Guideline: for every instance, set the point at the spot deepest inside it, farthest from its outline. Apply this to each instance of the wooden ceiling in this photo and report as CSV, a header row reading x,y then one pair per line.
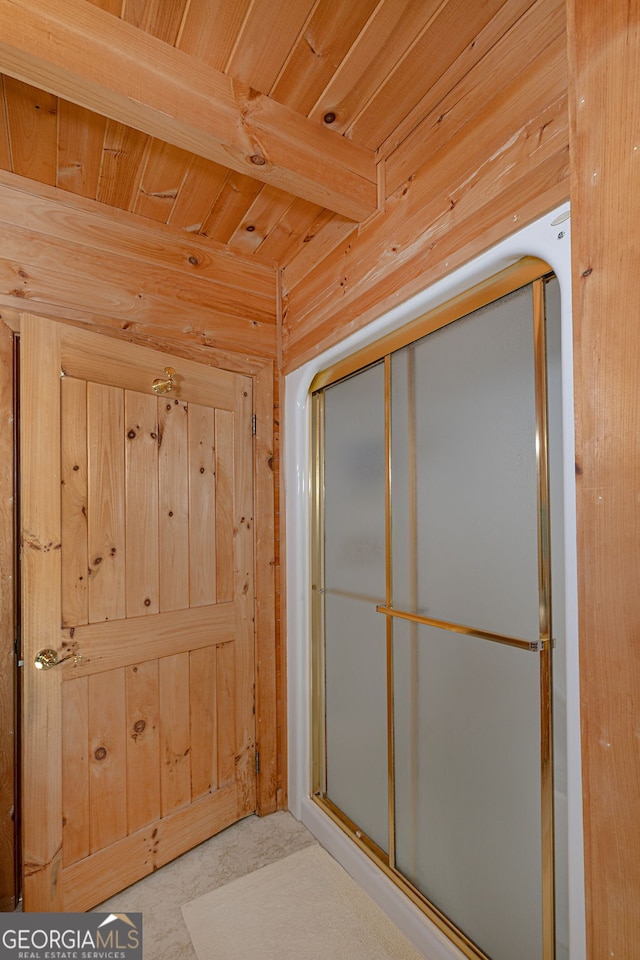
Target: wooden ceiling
x,y
273,127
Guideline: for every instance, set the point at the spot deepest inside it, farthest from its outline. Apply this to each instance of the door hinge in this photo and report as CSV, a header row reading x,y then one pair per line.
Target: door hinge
x,y
257,761
253,425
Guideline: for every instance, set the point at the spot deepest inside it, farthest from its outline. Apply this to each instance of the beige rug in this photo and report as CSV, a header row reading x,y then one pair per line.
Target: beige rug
x,y
304,907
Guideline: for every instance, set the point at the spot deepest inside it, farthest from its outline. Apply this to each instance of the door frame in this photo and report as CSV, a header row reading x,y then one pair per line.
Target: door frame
x,y
269,669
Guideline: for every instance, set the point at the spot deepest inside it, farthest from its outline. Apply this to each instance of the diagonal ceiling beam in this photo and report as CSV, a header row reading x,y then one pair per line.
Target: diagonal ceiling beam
x,y
77,51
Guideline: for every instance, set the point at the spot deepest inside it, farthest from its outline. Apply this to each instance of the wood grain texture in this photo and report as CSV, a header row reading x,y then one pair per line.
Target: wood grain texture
x,y
203,721
225,714
201,185
76,814
139,854
129,367
122,154
225,458
267,637
5,147
106,502
437,47
74,500
135,711
107,759
510,165
104,64
393,28
244,593
231,205
279,602
80,141
210,29
327,36
202,505
261,218
508,14
69,276
175,762
173,509
495,66
161,181
141,504
268,33
7,629
62,217
604,43
162,20
128,643
294,228
32,126
40,534
143,744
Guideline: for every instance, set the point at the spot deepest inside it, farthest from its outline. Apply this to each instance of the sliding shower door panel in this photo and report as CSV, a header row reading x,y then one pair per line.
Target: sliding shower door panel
x,y
465,523
467,784
355,686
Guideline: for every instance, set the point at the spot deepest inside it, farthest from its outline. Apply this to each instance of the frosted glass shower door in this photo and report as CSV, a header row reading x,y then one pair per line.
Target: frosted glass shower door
x,y
438,502
354,572
467,687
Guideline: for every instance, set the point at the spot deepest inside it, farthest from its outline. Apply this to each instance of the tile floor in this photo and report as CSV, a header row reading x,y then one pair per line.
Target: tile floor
x,y
238,850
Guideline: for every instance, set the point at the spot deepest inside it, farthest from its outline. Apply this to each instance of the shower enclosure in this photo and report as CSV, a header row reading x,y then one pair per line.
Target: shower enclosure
x,y
438,698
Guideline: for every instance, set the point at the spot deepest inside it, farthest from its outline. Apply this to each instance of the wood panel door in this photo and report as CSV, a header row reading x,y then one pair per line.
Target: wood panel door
x,y
137,569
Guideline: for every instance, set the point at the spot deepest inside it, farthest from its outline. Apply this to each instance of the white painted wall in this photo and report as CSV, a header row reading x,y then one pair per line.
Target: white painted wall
x,y
551,243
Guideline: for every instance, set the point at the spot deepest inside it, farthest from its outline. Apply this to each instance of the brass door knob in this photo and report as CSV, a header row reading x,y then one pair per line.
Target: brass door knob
x,y
48,658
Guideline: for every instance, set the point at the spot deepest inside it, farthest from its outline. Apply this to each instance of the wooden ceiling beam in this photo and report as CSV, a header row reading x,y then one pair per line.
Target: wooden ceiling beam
x,y
80,53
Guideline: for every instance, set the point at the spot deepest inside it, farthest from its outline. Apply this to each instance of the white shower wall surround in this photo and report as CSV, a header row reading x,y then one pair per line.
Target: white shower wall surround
x,y
550,243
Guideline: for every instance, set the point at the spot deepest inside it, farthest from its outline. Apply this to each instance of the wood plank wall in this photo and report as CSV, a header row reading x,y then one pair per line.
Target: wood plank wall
x,y
497,157
7,634
604,44
67,257
63,257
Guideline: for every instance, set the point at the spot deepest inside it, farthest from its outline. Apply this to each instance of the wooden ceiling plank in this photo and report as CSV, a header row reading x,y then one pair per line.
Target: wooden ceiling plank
x,y
510,13
454,28
527,39
332,29
261,217
449,242
157,17
390,32
327,237
210,29
201,186
64,217
113,7
294,228
80,140
5,144
32,117
523,123
104,64
231,205
161,181
122,155
267,36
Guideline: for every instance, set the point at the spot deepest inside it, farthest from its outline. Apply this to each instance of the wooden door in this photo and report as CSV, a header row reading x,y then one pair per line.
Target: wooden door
x,y
137,569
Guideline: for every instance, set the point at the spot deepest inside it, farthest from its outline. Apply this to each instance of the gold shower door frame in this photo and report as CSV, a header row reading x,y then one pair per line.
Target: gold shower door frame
x,y
527,271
